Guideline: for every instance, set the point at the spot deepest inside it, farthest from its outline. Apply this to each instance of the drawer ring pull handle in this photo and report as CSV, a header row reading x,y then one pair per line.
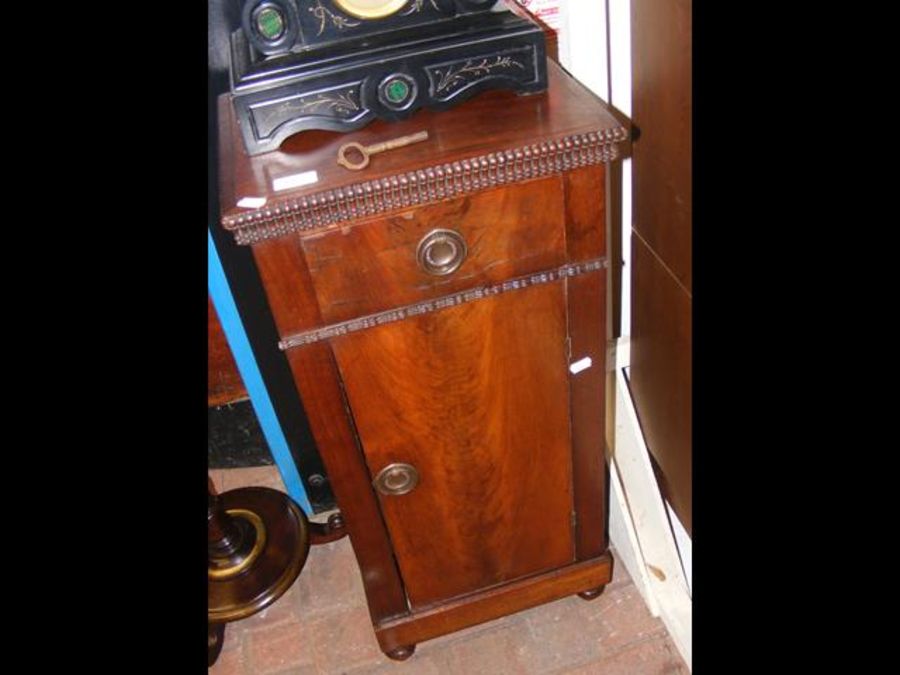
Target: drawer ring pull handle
x,y
396,479
441,252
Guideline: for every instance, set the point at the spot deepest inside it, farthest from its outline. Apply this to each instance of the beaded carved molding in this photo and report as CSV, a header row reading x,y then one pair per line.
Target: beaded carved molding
x,y
433,184
427,306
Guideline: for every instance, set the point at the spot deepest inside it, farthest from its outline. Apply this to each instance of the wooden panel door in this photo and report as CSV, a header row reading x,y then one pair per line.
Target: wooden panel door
x,y
475,397
661,279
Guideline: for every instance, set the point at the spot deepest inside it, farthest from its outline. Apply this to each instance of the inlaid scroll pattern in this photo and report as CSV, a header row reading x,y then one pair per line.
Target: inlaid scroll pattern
x,y
324,15
416,6
427,306
436,183
458,75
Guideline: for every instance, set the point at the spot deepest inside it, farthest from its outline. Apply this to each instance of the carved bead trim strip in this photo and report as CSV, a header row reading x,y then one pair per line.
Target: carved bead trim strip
x,y
427,306
425,186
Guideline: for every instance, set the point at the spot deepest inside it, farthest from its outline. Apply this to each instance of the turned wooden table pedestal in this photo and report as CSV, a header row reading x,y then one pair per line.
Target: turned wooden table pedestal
x,y
443,312
258,541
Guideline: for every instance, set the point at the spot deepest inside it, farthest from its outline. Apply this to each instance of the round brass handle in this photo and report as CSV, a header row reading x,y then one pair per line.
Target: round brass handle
x,y
441,252
396,479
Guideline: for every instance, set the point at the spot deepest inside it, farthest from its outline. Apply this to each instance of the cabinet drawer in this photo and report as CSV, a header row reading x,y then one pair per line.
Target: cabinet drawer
x,y
380,264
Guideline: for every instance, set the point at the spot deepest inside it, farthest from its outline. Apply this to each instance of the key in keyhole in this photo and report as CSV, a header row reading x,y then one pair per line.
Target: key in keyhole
x,y
366,150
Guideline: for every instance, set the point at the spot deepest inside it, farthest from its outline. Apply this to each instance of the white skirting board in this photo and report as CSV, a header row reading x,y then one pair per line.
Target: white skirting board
x,y
683,542
639,526
624,540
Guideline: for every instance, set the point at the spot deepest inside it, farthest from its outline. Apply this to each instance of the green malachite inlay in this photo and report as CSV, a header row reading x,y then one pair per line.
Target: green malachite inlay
x,y
270,23
396,91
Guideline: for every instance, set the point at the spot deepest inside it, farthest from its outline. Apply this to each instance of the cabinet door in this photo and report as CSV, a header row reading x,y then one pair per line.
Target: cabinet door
x,y
475,397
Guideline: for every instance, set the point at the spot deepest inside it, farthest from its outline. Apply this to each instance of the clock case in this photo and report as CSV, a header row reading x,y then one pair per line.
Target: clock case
x,y
341,72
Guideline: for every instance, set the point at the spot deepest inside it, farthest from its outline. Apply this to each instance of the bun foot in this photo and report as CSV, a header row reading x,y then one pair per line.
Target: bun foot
x,y
592,593
401,653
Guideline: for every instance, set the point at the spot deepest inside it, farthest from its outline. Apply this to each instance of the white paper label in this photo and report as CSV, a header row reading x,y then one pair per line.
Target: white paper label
x,y
580,364
252,202
295,180
545,10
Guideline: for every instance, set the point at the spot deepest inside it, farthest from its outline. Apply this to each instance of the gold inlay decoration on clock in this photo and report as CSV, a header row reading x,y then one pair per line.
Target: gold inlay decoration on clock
x,y
370,9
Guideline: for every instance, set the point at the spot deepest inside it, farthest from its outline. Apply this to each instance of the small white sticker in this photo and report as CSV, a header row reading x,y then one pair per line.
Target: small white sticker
x,y
295,180
580,364
252,202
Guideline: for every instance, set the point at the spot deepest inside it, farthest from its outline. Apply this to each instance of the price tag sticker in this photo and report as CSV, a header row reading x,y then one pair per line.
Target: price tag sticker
x,y
580,364
295,180
252,202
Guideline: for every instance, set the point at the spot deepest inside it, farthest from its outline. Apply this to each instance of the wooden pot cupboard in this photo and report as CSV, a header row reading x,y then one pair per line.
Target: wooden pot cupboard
x,y
444,315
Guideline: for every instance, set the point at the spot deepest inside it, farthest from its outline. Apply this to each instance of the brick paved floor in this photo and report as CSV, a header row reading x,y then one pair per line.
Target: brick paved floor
x,y
321,626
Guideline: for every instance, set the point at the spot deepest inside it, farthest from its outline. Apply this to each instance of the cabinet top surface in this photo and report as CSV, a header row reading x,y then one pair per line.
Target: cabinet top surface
x,y
493,138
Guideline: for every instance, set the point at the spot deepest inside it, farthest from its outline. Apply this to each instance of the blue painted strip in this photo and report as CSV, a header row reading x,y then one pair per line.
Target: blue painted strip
x,y
220,292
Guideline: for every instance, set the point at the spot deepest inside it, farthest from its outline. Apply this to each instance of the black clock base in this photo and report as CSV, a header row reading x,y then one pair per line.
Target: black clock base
x,y
342,87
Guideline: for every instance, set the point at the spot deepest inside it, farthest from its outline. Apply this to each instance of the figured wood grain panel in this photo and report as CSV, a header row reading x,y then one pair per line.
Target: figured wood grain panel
x,y
661,106
475,397
315,374
289,288
372,266
585,191
660,373
223,381
292,300
587,331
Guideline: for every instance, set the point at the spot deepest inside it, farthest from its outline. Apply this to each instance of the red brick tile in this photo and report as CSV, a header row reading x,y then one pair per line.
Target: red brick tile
x,y
330,581
559,635
346,640
470,632
420,663
488,653
572,631
619,617
274,647
656,656
230,661
284,608
233,638
308,669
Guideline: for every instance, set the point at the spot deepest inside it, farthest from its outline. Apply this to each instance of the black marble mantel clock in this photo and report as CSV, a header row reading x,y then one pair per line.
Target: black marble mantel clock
x,y
339,64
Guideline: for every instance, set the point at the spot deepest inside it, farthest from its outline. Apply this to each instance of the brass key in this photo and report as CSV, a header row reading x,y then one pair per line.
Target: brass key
x,y
367,150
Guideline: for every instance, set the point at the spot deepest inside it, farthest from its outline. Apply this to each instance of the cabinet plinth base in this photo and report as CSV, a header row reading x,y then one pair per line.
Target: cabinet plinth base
x,y
397,634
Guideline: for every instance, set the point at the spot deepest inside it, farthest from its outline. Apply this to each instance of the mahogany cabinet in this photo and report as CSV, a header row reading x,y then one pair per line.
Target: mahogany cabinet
x,y
443,312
